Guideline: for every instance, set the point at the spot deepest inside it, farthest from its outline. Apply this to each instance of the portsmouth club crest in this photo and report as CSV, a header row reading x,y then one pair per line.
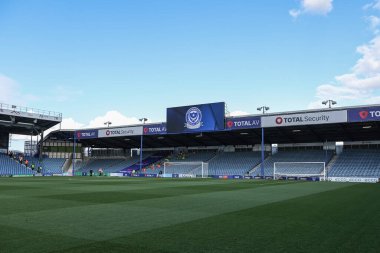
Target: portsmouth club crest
x,y
193,118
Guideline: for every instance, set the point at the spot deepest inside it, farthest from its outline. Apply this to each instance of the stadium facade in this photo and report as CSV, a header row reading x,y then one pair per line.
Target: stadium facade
x,y
300,144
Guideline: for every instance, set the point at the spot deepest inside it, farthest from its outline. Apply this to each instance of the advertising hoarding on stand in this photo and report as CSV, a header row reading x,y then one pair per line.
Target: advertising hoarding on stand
x,y
121,131
243,122
364,114
299,119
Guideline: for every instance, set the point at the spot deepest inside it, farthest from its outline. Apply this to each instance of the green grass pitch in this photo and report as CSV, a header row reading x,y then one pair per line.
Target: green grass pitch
x,y
88,214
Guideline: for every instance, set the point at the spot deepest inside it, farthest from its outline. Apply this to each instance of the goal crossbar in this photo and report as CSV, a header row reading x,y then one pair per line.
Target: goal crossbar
x,y
196,168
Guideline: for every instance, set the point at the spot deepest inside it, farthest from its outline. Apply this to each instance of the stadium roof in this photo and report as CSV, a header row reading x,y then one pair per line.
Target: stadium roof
x,y
299,134
343,127
26,121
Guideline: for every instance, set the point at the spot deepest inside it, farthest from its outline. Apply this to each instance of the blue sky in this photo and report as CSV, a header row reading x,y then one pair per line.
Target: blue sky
x,y
104,60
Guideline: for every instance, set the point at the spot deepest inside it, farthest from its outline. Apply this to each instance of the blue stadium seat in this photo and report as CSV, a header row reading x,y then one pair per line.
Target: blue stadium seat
x,y
357,163
234,163
10,166
296,156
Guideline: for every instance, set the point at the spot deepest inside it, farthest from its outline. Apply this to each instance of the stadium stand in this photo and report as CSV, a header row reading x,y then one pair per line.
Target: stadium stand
x,y
95,164
149,159
351,163
122,165
357,163
49,165
234,163
109,165
192,156
10,166
53,165
296,156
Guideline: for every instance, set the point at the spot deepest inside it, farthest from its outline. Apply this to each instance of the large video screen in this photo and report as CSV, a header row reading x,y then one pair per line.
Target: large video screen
x,y
195,118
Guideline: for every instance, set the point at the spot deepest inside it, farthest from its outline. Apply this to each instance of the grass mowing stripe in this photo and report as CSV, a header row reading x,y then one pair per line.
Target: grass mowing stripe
x,y
143,215
148,193
14,240
186,215
342,220
27,205
21,201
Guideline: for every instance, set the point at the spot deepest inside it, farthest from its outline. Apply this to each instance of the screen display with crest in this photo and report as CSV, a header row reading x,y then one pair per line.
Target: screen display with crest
x,y
196,118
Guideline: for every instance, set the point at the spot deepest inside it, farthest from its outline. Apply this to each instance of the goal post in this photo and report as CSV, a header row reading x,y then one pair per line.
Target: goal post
x,y
187,169
299,169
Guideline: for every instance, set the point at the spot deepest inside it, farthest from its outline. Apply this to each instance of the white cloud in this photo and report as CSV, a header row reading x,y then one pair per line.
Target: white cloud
x,y
18,137
373,20
238,113
294,13
361,83
8,87
369,63
67,124
316,7
372,100
11,92
338,92
374,5
374,23
117,119
70,123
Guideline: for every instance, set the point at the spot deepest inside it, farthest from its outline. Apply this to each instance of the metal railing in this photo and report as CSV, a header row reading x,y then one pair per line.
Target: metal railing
x,y
17,108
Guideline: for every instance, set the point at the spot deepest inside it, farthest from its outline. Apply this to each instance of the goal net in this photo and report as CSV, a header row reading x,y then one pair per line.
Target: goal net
x,y
299,169
187,169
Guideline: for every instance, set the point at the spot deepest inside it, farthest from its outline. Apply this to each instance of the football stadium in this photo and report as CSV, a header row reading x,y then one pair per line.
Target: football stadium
x,y
169,126
203,181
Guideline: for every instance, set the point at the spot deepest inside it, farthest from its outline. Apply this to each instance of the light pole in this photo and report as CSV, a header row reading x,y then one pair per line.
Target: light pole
x,y
143,120
330,102
108,123
263,109
74,151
